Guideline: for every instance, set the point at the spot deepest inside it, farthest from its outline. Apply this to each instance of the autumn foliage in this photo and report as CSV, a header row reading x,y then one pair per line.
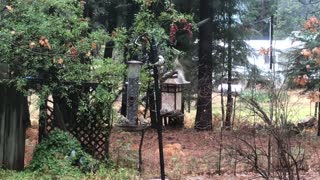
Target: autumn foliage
x,y
312,24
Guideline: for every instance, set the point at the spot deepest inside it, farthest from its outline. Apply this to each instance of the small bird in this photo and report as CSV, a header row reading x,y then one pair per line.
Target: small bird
x,y
160,62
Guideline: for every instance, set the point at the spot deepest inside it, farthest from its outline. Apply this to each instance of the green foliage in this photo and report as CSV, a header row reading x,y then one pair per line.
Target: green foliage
x,y
255,15
236,34
60,156
154,19
31,21
304,60
258,96
289,17
124,155
50,40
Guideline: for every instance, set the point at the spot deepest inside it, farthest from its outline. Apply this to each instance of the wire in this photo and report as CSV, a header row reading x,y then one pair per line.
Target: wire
x,y
265,20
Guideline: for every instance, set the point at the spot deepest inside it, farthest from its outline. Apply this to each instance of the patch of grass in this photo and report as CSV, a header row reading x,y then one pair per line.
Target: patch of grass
x,y
258,96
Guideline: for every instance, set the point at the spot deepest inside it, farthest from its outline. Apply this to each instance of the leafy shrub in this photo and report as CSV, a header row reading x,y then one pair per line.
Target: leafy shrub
x,y
61,154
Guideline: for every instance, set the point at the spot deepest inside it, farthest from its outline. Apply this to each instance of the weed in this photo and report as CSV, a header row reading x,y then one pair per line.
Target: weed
x,y
124,155
177,171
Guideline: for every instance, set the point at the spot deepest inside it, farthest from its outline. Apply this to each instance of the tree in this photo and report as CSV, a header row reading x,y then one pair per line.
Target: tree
x,y
204,106
229,46
56,48
227,123
110,14
257,12
304,66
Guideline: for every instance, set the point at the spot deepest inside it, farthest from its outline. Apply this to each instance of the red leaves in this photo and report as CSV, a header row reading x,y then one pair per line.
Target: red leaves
x,y
182,25
188,28
173,32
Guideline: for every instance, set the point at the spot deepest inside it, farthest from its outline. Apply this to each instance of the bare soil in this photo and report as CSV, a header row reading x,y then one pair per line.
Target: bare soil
x,y
199,154
191,154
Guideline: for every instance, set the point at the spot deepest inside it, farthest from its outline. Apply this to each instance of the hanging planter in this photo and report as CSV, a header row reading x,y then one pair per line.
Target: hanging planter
x,y
181,35
183,41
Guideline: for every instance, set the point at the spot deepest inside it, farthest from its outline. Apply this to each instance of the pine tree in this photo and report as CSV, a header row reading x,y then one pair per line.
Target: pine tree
x,y
204,105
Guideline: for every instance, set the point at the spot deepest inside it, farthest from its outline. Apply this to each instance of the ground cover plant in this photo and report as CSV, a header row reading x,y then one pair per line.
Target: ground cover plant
x,y
60,156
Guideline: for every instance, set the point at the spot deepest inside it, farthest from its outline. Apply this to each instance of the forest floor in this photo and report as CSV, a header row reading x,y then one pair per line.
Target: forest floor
x,y
194,155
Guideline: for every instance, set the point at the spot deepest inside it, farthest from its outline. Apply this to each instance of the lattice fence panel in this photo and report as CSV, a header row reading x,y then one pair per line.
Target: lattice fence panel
x,y
92,134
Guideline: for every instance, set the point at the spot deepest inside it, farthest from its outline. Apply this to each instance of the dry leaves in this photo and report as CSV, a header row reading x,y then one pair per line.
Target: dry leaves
x,y
9,8
301,80
44,42
314,96
312,24
263,51
306,53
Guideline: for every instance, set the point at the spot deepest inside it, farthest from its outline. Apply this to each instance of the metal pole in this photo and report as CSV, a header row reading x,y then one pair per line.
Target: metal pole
x,y
154,57
271,39
272,69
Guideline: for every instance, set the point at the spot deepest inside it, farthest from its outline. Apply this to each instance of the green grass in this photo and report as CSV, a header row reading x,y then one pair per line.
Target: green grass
x,y
297,109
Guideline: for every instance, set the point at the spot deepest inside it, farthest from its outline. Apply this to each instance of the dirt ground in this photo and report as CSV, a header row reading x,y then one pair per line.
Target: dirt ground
x,y
190,154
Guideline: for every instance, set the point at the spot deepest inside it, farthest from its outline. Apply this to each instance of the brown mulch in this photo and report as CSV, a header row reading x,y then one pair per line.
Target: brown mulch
x,y
189,154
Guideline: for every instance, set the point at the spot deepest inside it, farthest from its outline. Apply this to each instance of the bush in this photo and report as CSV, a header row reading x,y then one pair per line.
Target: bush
x,y
60,156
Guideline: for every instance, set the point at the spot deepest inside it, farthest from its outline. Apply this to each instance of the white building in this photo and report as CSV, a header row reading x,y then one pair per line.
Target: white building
x,y
262,61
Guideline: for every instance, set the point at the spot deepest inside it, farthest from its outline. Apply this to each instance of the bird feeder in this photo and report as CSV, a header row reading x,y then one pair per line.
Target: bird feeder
x,y
172,106
134,68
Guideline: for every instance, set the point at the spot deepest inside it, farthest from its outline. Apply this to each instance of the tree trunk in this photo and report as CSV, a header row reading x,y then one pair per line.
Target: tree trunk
x,y
204,105
229,69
